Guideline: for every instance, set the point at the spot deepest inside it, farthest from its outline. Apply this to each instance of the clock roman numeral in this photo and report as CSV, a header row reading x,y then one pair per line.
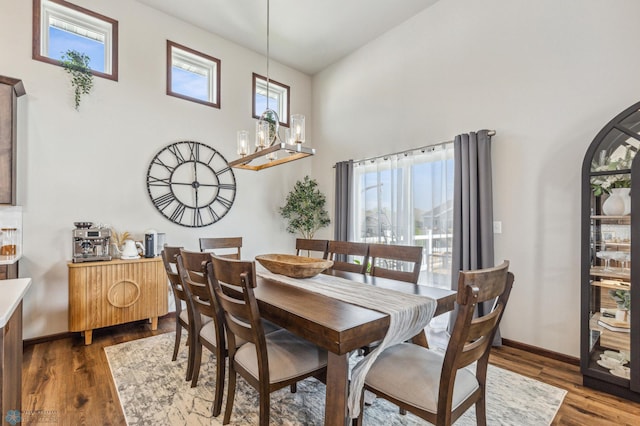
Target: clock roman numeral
x,y
195,151
197,217
159,162
213,214
229,186
224,202
212,157
154,181
175,150
164,200
221,171
178,213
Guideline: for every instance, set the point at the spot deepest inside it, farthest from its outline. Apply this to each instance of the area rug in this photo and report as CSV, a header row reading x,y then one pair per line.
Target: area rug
x,y
152,391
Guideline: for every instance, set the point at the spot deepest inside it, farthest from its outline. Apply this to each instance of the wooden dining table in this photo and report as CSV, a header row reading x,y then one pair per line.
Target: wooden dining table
x,y
337,326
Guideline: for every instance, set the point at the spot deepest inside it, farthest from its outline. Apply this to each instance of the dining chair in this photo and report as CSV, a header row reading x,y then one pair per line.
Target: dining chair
x,y
210,334
305,245
435,386
339,252
268,362
180,294
222,246
397,262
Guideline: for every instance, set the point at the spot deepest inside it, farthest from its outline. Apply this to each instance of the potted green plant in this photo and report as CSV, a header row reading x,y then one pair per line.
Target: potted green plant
x,y
623,300
77,65
305,208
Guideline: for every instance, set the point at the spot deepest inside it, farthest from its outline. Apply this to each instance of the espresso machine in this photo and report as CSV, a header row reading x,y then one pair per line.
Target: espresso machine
x,y
90,243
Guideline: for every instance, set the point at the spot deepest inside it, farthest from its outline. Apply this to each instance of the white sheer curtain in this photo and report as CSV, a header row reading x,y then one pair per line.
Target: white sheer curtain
x,y
407,199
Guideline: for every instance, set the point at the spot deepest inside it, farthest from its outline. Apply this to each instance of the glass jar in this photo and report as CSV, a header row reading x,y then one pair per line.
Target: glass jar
x,y
8,245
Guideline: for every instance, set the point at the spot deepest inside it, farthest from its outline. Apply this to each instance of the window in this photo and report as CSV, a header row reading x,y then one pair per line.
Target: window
x,y
407,199
278,98
59,26
192,75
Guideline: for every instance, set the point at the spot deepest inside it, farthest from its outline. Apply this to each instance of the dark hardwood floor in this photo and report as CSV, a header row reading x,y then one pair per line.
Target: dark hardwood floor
x,y
68,383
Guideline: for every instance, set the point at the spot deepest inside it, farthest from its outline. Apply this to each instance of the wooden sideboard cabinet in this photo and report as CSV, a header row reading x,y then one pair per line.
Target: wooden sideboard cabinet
x,y
114,292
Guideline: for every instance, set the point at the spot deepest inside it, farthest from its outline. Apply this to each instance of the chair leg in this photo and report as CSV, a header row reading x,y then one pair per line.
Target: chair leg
x,y
231,394
220,367
191,355
481,412
176,345
197,357
293,387
265,406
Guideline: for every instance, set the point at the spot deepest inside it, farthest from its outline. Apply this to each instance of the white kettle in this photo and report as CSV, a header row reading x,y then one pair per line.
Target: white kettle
x,y
130,249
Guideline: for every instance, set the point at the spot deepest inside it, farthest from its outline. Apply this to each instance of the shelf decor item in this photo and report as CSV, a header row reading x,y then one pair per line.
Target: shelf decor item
x,y
618,203
610,234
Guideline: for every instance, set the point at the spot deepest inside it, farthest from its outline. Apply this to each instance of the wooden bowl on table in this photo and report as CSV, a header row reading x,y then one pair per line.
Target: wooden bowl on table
x,y
293,266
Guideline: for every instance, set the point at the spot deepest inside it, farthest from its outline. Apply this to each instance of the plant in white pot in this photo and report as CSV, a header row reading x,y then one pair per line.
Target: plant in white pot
x,y
305,208
618,203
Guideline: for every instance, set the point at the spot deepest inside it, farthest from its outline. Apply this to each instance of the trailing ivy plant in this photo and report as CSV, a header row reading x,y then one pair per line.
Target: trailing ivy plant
x,y
304,208
77,65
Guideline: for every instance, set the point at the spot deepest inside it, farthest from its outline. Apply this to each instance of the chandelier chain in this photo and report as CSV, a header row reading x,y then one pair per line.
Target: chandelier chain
x,y
268,82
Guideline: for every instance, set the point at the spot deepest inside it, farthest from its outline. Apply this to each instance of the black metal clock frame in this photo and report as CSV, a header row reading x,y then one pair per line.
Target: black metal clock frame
x,y
191,184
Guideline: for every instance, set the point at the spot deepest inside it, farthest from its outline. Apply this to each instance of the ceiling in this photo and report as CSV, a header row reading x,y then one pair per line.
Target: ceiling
x,y
307,35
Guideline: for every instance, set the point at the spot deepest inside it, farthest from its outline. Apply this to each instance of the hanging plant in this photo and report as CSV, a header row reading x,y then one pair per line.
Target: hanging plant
x,y
77,65
305,208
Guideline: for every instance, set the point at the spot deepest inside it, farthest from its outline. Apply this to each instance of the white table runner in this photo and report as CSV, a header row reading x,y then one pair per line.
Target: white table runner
x,y
409,314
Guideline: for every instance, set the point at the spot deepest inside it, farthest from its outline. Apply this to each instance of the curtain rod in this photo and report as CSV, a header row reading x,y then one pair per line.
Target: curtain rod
x,y
490,133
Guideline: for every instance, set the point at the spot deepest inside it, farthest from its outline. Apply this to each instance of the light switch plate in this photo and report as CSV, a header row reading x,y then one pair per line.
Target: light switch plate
x,y
497,227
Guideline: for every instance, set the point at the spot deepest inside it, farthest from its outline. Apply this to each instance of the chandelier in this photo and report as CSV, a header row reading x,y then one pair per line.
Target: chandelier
x,y
270,150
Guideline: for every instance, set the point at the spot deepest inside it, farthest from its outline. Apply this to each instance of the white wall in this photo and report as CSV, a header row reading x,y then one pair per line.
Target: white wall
x,y
91,165
547,75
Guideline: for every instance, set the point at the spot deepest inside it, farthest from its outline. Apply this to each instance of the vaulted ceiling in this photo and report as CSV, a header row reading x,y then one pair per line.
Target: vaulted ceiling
x,y
307,35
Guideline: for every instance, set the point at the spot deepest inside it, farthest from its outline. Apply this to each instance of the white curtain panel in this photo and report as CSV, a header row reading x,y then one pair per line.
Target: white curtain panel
x,y
407,199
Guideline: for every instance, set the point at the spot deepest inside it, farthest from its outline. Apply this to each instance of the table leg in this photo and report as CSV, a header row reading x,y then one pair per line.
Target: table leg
x,y
154,323
88,334
420,339
335,410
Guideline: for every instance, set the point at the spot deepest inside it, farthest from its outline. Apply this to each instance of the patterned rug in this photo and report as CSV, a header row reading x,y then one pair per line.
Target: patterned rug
x,y
153,391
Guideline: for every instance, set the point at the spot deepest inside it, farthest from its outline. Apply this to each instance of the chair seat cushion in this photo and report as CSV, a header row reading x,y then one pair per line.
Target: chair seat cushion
x,y
289,356
411,373
184,316
208,333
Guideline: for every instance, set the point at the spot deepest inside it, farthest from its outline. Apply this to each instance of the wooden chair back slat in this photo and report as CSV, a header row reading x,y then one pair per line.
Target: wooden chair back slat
x,y
169,258
484,325
380,253
348,248
192,265
237,301
305,246
212,244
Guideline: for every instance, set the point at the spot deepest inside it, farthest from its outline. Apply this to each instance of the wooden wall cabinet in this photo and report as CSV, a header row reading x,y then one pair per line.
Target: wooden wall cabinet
x,y
10,90
610,303
102,294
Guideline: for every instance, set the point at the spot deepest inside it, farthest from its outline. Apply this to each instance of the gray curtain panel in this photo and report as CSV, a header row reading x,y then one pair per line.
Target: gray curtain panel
x,y
343,202
473,209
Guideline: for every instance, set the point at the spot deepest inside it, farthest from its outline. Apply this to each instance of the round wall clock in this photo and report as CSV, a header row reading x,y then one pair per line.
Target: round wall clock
x,y
191,184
